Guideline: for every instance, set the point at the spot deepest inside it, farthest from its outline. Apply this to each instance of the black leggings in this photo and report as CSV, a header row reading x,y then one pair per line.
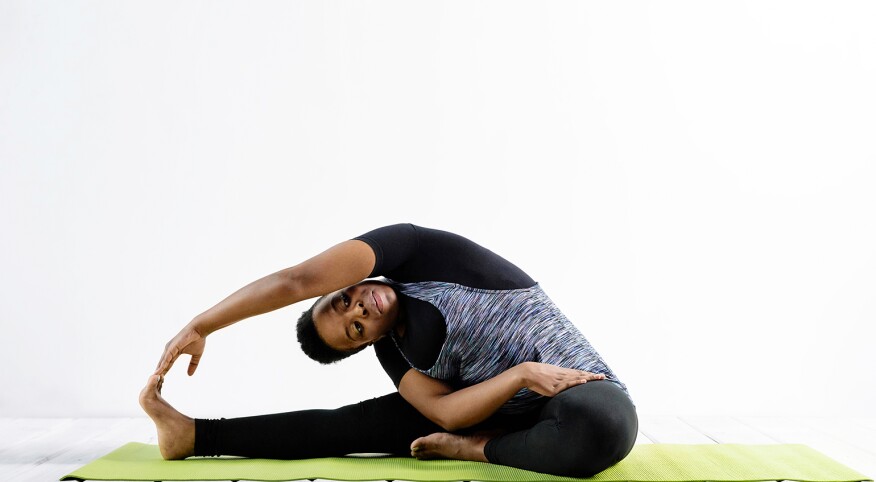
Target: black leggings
x,y
580,432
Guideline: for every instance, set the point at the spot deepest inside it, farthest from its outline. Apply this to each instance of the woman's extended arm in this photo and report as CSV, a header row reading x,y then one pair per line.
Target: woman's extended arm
x,y
454,410
340,266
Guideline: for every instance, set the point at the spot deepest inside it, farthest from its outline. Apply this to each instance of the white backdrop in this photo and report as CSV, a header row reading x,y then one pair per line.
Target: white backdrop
x,y
691,182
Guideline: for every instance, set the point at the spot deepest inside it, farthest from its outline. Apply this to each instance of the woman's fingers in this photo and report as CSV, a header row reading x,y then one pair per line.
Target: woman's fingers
x,y
564,385
549,380
575,377
591,375
187,341
162,367
167,360
161,362
193,364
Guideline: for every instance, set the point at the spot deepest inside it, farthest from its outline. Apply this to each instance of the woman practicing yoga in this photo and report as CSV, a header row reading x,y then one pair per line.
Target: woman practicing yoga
x,y
487,367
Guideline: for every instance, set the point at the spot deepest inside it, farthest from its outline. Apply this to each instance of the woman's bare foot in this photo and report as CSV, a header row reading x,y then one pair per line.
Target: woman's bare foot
x,y
176,432
450,446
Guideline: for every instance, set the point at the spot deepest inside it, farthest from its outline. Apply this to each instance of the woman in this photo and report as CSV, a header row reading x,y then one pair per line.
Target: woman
x,y
487,367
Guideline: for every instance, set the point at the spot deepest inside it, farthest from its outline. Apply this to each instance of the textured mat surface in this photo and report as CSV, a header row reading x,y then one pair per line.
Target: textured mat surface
x,y
646,463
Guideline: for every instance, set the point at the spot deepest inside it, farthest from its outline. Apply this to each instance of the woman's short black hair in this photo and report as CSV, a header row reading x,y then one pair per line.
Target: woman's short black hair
x,y
313,345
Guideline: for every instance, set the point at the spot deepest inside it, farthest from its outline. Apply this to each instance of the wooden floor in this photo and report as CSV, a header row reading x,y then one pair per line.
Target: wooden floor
x,y
46,449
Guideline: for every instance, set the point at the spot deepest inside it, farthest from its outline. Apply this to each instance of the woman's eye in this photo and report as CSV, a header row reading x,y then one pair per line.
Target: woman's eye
x,y
345,299
358,327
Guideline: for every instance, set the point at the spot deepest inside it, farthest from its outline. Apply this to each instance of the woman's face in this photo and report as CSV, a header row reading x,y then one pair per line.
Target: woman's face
x,y
356,315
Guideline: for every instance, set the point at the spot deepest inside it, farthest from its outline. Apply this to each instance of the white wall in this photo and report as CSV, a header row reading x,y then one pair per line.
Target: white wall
x,y
691,182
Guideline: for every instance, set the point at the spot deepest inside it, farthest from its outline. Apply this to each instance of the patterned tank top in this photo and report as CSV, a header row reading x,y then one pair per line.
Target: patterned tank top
x,y
490,331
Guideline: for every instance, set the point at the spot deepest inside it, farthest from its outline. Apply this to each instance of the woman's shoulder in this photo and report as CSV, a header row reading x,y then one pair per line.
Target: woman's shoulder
x,y
407,252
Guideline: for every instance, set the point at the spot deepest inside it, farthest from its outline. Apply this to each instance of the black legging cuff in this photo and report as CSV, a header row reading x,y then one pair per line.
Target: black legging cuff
x,y
206,436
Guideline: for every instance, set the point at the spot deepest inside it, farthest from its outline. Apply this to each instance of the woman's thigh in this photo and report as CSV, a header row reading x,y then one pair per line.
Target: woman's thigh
x,y
386,424
580,432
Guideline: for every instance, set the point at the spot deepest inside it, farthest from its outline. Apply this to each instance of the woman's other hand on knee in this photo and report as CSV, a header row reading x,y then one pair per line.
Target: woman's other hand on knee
x,y
549,380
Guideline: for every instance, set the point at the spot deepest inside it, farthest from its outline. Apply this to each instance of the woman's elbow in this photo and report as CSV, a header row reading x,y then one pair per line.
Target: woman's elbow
x,y
451,417
450,423
445,421
450,426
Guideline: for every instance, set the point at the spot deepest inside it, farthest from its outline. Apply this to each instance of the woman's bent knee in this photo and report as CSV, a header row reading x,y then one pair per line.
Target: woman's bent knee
x,y
580,432
592,458
585,461
598,426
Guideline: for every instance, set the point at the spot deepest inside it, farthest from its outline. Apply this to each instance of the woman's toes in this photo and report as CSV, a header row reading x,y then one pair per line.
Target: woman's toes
x,y
427,447
149,393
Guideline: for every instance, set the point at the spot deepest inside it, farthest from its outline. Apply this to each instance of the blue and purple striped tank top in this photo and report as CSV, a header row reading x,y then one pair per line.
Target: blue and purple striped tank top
x,y
490,331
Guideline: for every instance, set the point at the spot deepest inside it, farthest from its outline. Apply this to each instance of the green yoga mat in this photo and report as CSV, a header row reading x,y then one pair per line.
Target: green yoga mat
x,y
646,463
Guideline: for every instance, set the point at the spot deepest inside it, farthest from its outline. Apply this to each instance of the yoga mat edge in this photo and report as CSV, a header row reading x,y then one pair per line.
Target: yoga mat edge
x,y
136,461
